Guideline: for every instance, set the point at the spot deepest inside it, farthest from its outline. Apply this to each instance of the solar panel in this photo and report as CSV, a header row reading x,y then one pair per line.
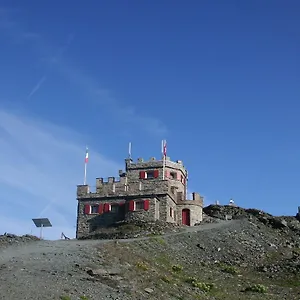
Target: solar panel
x,y
42,222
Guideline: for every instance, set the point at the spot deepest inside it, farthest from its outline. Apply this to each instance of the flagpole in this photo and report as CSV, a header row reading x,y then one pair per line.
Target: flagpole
x,y
84,181
85,164
129,150
164,156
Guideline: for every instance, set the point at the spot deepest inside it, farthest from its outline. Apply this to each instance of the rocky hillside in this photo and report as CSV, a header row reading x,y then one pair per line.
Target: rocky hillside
x,y
8,239
251,256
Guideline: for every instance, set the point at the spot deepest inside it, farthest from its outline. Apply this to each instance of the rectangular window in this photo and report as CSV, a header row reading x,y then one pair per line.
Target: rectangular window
x,y
173,189
115,208
171,212
94,209
139,205
150,174
173,175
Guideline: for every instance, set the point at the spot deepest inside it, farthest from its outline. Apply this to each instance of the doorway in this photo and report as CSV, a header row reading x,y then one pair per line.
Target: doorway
x,y
186,218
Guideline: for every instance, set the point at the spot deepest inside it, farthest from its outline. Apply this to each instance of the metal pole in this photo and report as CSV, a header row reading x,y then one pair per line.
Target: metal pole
x,y
129,150
85,164
84,180
164,157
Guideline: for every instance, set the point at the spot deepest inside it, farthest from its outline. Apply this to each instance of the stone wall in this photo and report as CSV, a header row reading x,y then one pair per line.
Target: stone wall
x,y
82,190
141,214
196,212
163,206
195,207
89,222
133,168
163,210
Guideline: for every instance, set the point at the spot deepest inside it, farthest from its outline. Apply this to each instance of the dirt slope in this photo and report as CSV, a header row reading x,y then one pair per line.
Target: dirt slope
x,y
211,261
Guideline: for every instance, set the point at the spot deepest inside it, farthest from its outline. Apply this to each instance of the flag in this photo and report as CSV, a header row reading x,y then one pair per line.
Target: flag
x,y
165,148
87,155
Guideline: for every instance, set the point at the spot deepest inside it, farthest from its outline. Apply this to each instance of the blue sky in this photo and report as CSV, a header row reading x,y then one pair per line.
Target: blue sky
x,y
218,79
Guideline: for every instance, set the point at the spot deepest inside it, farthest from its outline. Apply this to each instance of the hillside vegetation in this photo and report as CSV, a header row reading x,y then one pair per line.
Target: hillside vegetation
x,y
252,256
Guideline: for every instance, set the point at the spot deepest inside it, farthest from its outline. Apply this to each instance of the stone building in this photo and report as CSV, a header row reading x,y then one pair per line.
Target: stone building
x,y
141,192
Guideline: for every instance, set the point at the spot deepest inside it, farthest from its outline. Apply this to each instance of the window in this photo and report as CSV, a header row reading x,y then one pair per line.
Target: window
x,y
115,208
139,205
94,209
173,189
171,212
150,174
173,175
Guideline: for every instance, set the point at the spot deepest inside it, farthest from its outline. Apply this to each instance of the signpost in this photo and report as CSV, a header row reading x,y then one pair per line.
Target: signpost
x,y
41,223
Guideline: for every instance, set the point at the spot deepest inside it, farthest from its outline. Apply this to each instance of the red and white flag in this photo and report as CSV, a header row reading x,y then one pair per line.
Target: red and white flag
x,y
164,148
86,155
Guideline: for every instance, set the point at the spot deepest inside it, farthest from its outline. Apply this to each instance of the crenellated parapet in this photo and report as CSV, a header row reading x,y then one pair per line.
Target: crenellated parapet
x,y
116,189
197,199
154,163
82,190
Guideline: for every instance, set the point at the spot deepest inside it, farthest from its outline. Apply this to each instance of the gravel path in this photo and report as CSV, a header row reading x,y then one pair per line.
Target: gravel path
x,y
51,269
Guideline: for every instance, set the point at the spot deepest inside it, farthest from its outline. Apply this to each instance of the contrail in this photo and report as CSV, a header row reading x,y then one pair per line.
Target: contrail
x,y
36,87
45,209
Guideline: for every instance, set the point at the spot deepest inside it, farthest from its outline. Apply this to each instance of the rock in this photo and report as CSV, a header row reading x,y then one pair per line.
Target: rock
x,y
149,290
200,246
103,272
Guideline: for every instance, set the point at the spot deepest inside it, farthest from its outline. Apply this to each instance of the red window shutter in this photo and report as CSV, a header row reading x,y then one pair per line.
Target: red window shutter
x,y
87,209
106,207
178,176
182,179
100,208
131,205
146,204
156,173
142,174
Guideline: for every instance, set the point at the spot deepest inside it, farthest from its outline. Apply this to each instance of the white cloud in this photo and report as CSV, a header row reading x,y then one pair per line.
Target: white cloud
x,y
41,164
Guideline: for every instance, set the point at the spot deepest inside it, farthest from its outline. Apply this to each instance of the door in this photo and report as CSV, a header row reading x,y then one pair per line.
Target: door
x,y
186,217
